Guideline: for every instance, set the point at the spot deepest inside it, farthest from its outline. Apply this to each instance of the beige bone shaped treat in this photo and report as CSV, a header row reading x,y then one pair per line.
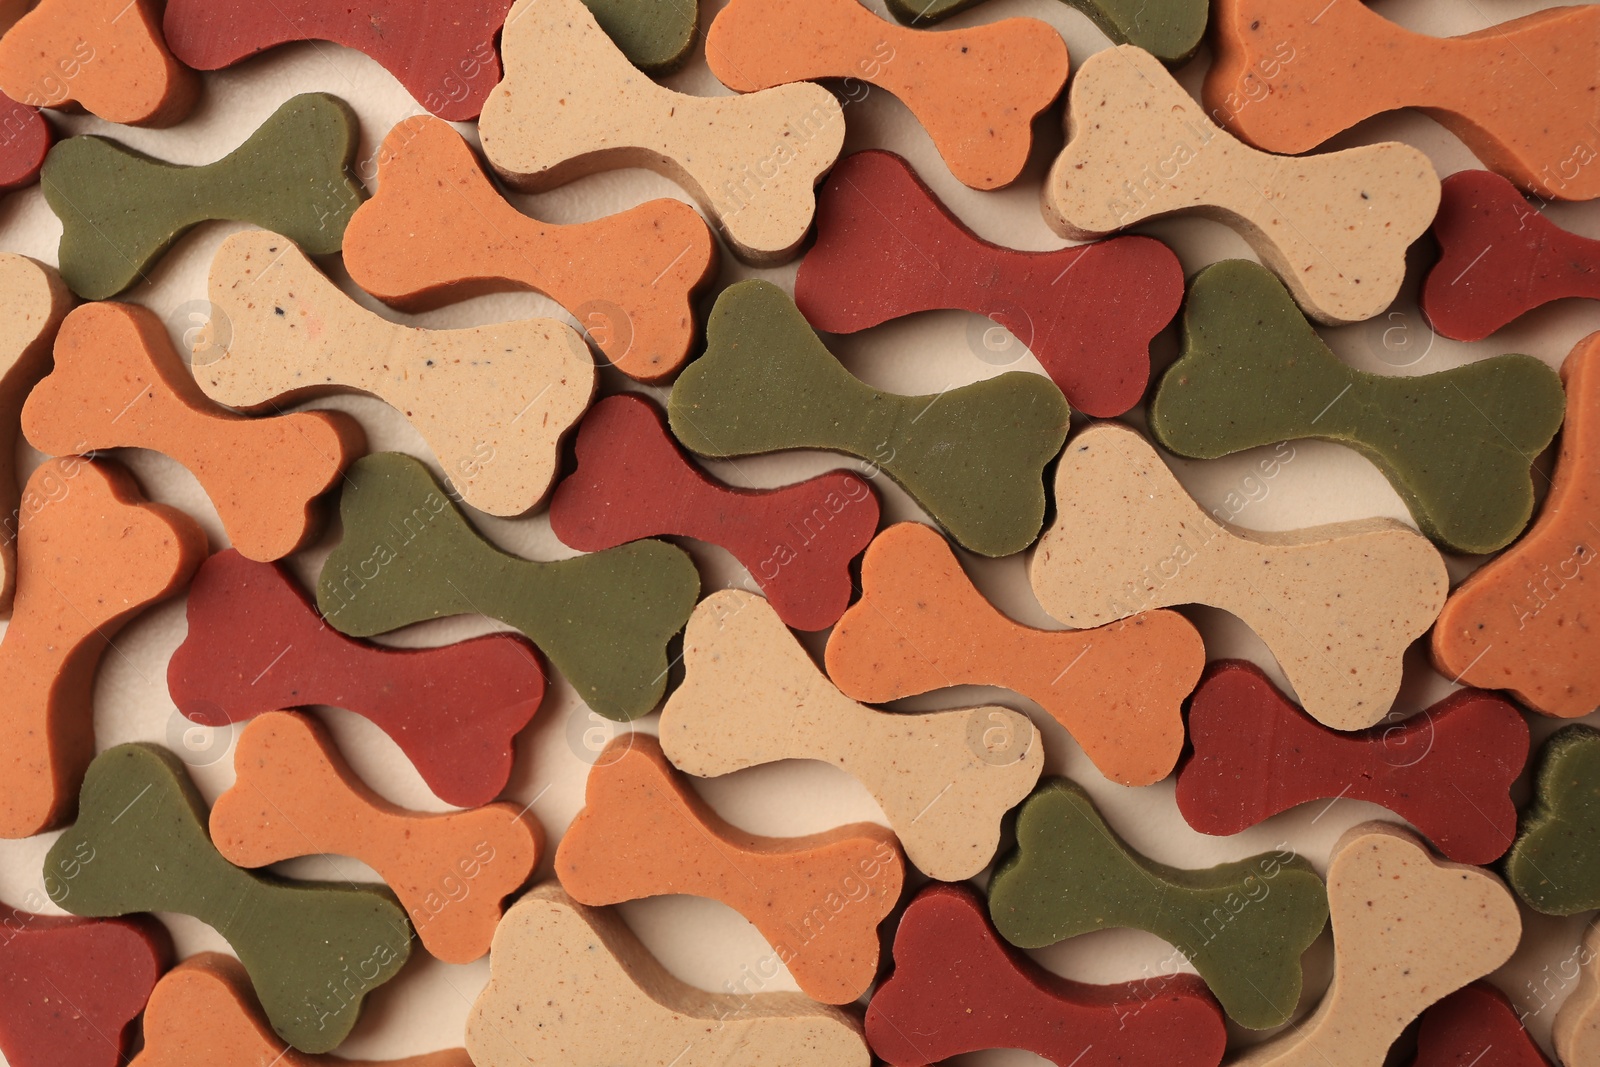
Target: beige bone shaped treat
x,y
491,401
1408,930
1336,604
571,104
571,985
1334,227
751,695
1577,1028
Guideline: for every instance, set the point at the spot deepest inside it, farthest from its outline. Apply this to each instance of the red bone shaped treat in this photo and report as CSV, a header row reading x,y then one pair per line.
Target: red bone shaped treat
x,y
1500,258
1476,1026
1448,770
442,52
957,987
70,988
887,247
117,383
633,481
257,644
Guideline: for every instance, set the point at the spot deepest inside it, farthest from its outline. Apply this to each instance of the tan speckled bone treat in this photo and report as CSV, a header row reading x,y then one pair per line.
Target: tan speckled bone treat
x,y
1336,604
33,300
491,401
1577,1027
571,104
1334,227
571,985
294,795
1408,930
751,695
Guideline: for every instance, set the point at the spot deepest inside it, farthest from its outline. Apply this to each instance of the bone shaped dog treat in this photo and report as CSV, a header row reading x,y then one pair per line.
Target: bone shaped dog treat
x,y
491,401
656,35
817,899
106,55
93,554
887,247
256,644
1499,257
571,105
1171,30
70,988
1243,925
976,91
1555,864
120,210
957,987
1408,930
632,481
1447,770
921,625
25,138
295,796
313,950
973,456
204,1011
1476,1022
1576,1032
407,555
1334,227
1519,621
118,383
751,695
1519,94
437,228
1456,445
572,985
1336,604
33,301
443,53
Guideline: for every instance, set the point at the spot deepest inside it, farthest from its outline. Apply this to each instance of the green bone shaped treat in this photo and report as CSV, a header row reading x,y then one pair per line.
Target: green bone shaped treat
x,y
1170,30
655,35
1554,865
313,950
1456,445
1243,925
408,554
973,457
120,210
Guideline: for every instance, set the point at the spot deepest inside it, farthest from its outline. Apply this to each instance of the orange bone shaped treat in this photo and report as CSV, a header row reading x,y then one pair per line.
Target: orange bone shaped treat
x,y
921,625
204,1012
106,55
438,230
1522,95
1524,621
295,796
976,91
92,553
118,383
818,899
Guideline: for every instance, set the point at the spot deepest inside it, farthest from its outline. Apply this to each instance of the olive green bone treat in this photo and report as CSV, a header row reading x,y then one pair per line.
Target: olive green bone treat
x,y
1554,865
655,35
1455,445
973,457
408,555
1243,925
1170,30
120,210
313,950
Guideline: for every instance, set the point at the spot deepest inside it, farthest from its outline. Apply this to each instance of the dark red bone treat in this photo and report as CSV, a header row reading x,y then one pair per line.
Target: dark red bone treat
x,y
25,138
256,644
887,247
1500,258
957,987
633,481
70,988
1475,1027
1447,770
442,51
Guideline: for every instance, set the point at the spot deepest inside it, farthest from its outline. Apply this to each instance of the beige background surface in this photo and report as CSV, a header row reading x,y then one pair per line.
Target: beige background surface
x,y
701,941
